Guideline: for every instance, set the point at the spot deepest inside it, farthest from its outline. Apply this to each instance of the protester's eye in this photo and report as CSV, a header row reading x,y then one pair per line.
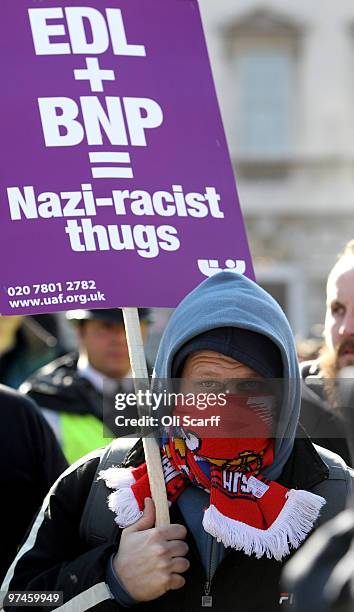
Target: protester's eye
x,y
214,386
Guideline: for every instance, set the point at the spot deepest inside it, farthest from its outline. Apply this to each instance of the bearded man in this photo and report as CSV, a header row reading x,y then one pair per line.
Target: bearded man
x,y
328,389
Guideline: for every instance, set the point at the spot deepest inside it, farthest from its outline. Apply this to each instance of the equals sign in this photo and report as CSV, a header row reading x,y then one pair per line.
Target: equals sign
x,y
114,171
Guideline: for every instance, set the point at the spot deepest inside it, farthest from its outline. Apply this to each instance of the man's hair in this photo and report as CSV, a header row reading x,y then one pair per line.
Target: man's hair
x,y
347,251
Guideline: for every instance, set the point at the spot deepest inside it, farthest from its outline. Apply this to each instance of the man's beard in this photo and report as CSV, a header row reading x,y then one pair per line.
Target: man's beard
x,y
329,362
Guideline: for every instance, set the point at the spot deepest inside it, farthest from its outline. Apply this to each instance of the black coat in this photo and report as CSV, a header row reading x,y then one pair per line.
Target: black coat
x,y
31,461
321,576
324,424
58,558
59,387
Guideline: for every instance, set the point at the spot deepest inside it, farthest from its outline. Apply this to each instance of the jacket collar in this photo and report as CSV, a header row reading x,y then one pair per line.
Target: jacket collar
x,y
304,468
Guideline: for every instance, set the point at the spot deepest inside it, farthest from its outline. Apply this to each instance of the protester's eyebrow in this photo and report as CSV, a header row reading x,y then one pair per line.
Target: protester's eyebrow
x,y
206,373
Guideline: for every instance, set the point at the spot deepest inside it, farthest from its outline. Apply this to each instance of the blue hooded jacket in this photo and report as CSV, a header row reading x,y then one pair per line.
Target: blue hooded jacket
x,y
229,299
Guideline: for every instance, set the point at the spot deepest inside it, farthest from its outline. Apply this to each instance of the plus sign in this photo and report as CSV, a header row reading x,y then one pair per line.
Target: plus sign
x,y
94,74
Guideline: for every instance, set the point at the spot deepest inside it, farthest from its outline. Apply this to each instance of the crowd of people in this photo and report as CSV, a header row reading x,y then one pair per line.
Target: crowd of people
x,y
241,502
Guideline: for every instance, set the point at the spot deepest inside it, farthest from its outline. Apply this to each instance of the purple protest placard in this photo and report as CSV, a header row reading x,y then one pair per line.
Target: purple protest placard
x,y
116,183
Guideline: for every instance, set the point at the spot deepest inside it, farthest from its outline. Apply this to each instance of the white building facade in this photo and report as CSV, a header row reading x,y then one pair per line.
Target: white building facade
x,y
284,73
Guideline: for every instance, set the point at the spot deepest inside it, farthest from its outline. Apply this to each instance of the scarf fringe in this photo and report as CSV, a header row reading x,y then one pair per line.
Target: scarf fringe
x,y
125,507
292,525
122,501
116,477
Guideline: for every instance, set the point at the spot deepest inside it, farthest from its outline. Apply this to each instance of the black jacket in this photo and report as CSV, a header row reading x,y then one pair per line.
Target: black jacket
x,y
31,461
59,387
321,576
322,423
58,558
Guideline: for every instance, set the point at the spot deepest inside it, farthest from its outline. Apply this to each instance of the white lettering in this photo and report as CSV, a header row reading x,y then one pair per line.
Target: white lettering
x,y
60,114
142,114
51,206
74,230
53,120
74,198
146,241
141,204
196,208
41,31
112,122
227,480
92,233
118,199
168,234
75,17
25,202
89,200
213,198
159,198
179,199
244,484
126,243
118,36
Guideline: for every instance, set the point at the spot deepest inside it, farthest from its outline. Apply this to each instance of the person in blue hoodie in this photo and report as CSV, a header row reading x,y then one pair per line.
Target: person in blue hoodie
x,y
240,502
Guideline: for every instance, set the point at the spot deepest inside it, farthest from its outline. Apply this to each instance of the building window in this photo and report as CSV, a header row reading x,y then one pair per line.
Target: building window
x,y
264,83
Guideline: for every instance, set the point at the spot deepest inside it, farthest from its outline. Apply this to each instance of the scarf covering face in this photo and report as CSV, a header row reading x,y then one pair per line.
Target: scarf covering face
x,y
247,512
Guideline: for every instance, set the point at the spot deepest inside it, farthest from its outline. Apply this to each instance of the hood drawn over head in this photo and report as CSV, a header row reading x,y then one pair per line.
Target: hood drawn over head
x,y
229,299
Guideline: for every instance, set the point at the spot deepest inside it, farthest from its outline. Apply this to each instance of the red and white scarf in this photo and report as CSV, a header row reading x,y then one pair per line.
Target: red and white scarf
x,y
247,511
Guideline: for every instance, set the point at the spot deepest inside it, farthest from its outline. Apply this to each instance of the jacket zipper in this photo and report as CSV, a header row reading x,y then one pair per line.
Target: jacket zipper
x,y
207,599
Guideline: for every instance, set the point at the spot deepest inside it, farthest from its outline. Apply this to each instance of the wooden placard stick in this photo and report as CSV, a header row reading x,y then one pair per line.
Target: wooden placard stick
x,y
151,447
